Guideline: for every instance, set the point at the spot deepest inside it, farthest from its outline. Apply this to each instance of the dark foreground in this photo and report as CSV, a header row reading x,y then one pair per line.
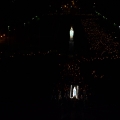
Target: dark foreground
x,y
29,76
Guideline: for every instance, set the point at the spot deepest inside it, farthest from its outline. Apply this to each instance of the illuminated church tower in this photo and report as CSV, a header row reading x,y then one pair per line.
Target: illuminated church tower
x,y
71,43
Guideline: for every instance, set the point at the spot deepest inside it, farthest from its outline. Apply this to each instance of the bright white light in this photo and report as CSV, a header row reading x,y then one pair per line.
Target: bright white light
x,y
71,33
74,91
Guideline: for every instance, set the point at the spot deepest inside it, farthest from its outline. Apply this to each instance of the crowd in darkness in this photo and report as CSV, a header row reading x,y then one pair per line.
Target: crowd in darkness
x,y
41,79
100,41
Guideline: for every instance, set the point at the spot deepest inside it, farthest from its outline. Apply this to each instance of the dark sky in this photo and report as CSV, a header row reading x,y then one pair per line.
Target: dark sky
x,y
17,9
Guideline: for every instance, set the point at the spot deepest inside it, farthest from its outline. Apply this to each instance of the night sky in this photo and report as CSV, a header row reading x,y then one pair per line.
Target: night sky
x,y
17,10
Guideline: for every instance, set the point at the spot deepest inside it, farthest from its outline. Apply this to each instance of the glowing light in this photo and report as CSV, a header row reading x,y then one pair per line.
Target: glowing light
x,y
8,27
71,33
74,91
1,36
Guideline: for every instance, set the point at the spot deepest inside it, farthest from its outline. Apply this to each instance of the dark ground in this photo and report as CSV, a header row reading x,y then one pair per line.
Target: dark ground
x,y
27,82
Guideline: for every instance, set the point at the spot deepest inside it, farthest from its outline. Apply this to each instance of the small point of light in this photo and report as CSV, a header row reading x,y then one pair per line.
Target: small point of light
x,y
1,36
